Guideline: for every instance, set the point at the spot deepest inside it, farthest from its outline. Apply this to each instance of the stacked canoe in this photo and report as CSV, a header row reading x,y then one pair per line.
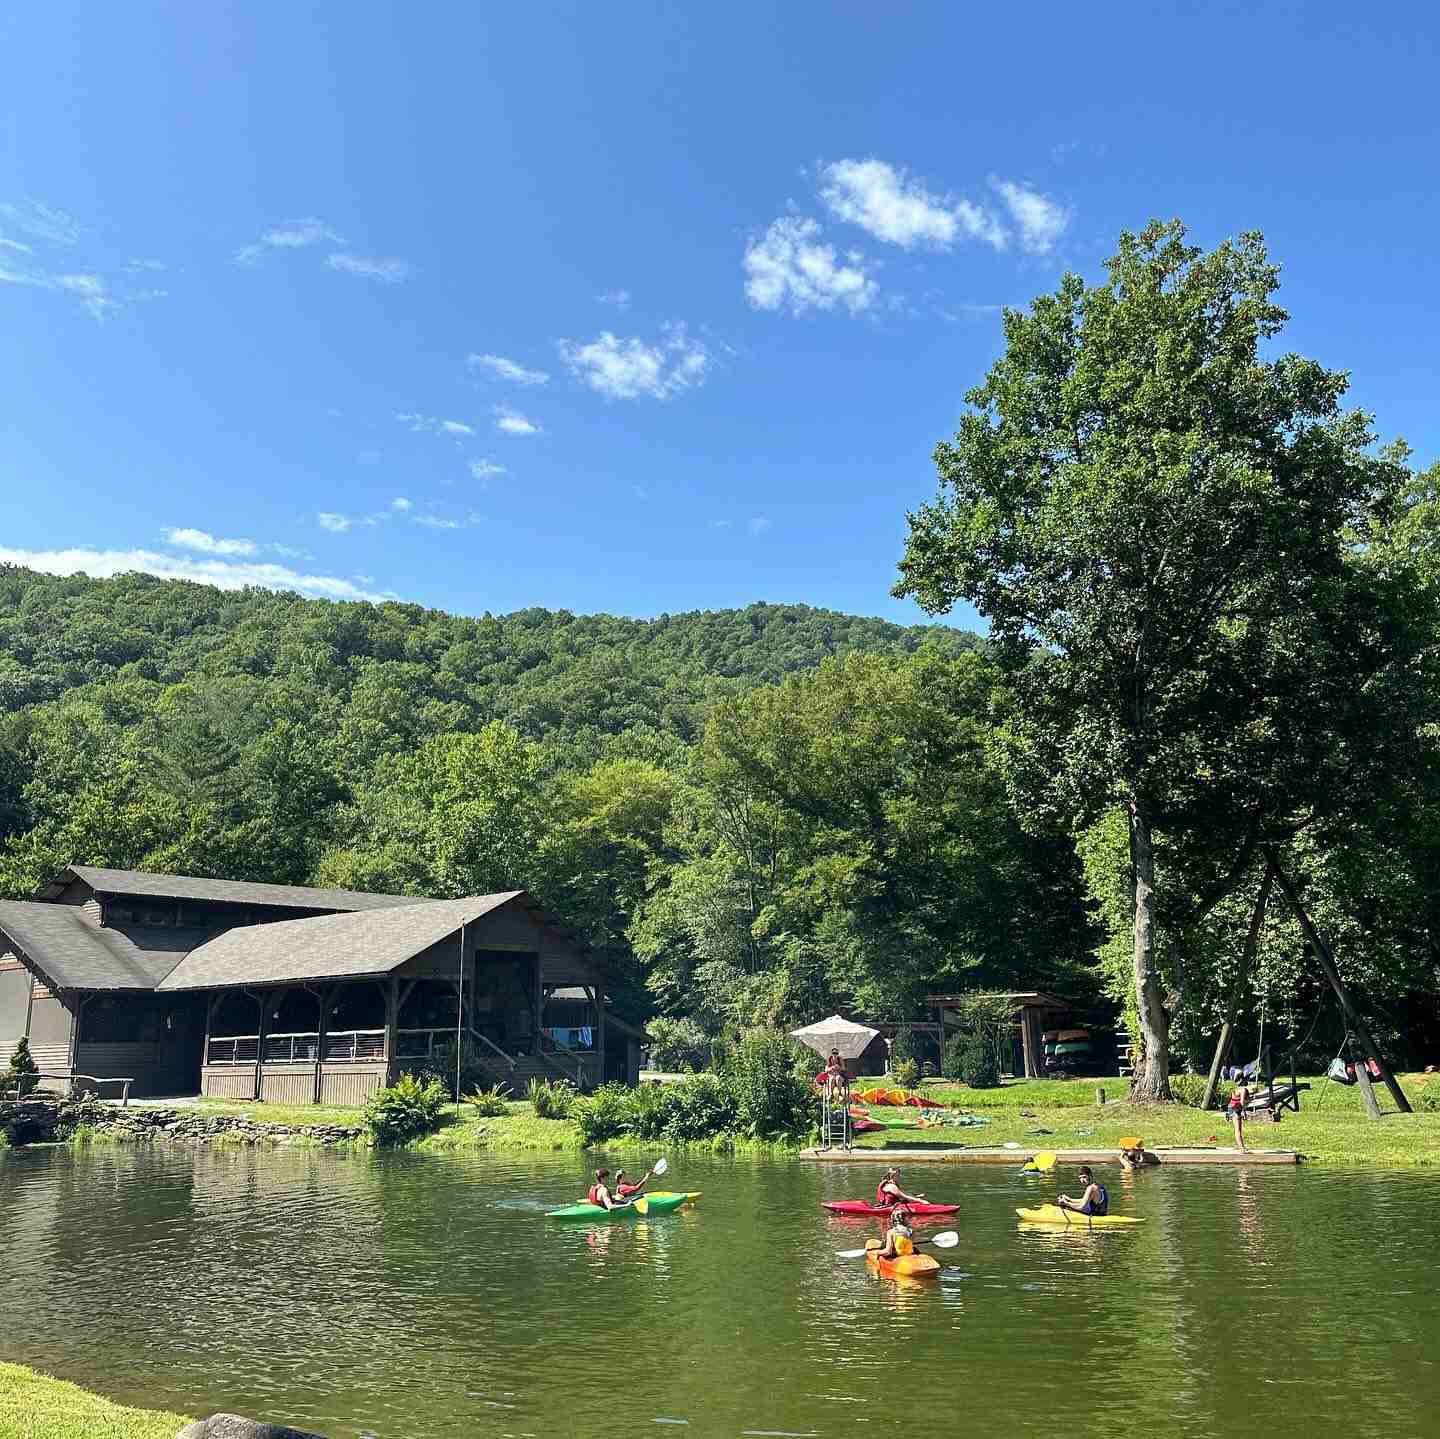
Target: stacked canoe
x,y
1066,1049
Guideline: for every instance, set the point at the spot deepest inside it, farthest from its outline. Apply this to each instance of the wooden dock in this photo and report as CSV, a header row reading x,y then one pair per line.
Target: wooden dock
x,y
994,1155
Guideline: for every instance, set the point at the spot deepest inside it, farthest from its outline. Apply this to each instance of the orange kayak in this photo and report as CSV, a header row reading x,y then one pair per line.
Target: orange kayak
x,y
905,1266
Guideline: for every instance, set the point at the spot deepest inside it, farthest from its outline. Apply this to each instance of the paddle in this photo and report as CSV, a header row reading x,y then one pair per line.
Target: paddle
x,y
661,1165
1041,1163
948,1240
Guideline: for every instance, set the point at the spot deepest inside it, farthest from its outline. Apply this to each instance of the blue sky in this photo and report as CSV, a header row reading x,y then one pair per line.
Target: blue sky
x,y
634,308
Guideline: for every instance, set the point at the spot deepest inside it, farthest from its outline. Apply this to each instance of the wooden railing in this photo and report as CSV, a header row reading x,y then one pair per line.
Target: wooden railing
x,y
233,1049
341,1047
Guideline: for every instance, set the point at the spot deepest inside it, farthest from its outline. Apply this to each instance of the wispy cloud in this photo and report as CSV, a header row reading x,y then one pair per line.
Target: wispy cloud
x,y
438,522
483,470
336,524
368,268
885,202
188,539
627,369
431,424
758,524
1040,220
297,235
143,267
8,244
512,422
789,265
619,298
401,504
41,222
90,290
226,574
509,370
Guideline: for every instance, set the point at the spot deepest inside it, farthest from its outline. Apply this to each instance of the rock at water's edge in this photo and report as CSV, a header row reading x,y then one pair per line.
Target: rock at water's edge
x,y
232,1426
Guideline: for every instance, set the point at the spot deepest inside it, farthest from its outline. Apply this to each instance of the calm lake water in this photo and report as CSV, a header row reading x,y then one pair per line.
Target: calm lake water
x,y
399,1295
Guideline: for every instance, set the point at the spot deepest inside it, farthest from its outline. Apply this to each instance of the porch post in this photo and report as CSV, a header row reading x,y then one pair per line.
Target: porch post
x,y
263,996
599,993
327,998
392,1023
537,1002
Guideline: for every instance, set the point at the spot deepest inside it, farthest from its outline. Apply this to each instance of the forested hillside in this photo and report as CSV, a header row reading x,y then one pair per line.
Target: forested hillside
x,y
753,812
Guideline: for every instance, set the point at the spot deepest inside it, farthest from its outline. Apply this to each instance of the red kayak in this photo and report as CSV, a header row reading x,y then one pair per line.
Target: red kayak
x,y
862,1206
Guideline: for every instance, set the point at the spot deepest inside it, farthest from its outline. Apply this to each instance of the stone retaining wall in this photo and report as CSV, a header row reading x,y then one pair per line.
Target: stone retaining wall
x,y
37,1121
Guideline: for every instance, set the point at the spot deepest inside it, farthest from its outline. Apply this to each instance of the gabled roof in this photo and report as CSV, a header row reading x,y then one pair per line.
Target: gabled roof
x,y
225,891
72,952
331,946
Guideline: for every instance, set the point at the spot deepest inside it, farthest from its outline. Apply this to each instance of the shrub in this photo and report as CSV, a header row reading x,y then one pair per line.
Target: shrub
x,y
700,1108
440,1068
490,1103
552,1098
1426,1099
408,1109
678,1044
906,1074
23,1075
971,1059
902,1048
602,1115
766,1071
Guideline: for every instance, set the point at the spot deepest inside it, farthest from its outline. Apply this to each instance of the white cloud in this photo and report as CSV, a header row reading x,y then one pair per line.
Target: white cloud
x,y
627,369
435,522
10,244
512,422
401,504
429,424
88,289
388,271
1041,220
42,222
485,470
290,552
883,200
225,574
336,524
619,298
789,265
298,235
505,369
187,539
142,267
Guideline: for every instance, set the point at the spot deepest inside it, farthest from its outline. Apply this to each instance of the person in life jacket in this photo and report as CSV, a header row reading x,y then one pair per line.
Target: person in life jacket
x,y
624,1190
899,1237
888,1192
1239,1101
1094,1198
599,1193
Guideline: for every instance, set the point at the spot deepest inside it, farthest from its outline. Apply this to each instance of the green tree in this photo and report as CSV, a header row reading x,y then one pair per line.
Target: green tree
x,y
1137,496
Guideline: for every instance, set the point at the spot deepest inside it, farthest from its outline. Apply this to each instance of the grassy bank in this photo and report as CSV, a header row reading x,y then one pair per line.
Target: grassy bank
x,y
34,1406
1331,1129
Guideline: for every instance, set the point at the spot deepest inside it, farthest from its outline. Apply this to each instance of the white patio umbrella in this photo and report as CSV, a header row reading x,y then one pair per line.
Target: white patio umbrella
x,y
836,1033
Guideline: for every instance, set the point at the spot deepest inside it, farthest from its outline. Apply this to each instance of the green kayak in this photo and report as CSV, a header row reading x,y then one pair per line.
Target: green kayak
x,y
658,1204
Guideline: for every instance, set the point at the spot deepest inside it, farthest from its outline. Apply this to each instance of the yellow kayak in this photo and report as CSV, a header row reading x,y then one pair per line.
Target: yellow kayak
x,y
1053,1214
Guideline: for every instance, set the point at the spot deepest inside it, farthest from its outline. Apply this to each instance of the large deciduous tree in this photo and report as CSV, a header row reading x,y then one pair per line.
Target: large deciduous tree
x,y
1138,498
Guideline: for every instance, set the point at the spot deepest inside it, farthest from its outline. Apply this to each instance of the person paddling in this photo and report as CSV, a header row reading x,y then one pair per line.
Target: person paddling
x,y
1094,1200
888,1192
624,1191
899,1237
600,1195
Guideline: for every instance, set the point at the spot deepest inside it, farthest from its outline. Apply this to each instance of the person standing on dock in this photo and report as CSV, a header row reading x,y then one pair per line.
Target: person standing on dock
x,y
1239,1102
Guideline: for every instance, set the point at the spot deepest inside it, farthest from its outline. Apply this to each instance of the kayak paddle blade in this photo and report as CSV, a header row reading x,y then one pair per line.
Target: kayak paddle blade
x,y
661,1165
851,1253
948,1240
1043,1163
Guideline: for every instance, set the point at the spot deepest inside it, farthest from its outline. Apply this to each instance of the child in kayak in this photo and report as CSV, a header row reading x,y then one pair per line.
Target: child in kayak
x,y
599,1193
899,1237
1094,1199
888,1192
624,1191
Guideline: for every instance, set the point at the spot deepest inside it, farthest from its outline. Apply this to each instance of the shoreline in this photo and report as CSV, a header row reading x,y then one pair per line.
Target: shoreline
x,y
36,1405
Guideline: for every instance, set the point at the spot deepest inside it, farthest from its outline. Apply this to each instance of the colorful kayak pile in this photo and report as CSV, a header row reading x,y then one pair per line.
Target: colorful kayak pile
x,y
897,1097
1066,1049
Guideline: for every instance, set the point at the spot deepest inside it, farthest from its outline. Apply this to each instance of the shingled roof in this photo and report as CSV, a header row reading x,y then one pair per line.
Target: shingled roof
x,y
226,891
71,952
332,946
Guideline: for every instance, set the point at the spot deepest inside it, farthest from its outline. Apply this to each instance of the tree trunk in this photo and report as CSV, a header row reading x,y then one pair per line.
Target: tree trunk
x,y
1151,1081
1332,972
1237,986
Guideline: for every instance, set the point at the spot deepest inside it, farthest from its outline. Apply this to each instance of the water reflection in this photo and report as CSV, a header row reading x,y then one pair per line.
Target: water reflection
x,y
409,1296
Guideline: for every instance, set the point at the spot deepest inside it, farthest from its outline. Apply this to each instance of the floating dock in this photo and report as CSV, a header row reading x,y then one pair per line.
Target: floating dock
x,y
995,1155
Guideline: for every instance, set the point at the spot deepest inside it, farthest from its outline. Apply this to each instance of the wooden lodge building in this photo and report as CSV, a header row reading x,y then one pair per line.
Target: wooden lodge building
x,y
277,992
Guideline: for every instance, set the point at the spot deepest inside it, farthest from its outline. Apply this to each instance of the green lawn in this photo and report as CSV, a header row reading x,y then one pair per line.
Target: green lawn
x,y
34,1406
1331,1128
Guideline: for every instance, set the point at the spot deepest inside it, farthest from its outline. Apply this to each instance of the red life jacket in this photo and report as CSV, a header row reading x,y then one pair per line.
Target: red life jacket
x,y
883,1198
593,1197
624,1191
